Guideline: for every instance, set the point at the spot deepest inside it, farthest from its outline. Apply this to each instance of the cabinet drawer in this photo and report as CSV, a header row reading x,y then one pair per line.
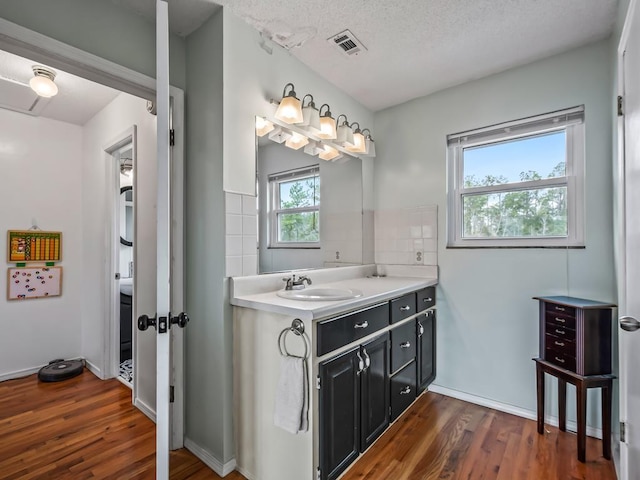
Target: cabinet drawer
x,y
561,309
403,345
566,321
403,307
426,298
560,331
340,331
403,390
561,345
565,361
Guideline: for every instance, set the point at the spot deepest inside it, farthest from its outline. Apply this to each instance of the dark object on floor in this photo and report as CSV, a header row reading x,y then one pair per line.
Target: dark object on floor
x,y
59,370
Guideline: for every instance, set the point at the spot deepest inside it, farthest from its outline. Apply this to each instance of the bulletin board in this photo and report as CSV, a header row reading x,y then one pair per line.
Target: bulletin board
x,y
24,283
33,246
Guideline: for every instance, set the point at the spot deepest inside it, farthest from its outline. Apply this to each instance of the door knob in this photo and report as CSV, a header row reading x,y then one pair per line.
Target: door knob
x,y
144,322
181,320
629,324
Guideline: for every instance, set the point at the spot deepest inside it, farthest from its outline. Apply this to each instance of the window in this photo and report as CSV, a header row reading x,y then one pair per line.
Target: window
x,y
294,214
518,184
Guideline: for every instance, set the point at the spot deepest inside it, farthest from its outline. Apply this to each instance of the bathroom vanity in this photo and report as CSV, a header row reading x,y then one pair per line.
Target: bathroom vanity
x,y
370,356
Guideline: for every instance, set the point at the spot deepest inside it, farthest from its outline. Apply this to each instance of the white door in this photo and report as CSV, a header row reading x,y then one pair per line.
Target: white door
x,y
629,335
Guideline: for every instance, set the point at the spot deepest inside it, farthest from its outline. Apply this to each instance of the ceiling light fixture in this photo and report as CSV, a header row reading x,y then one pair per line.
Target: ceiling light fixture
x,y
359,139
290,108
345,134
263,126
43,81
327,124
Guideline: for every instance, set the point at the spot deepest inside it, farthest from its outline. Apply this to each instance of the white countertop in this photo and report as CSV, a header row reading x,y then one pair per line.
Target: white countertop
x,y
374,290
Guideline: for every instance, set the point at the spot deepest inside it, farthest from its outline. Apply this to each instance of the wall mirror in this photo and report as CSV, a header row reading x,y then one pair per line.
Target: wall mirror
x,y
310,211
126,216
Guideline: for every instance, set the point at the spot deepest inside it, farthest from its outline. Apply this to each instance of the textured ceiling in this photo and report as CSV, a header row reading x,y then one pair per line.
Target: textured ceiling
x,y
417,47
78,100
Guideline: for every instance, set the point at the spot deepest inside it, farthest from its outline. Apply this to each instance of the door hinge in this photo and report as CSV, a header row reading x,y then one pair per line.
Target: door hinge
x,y
172,394
318,474
172,137
318,382
390,411
623,432
620,109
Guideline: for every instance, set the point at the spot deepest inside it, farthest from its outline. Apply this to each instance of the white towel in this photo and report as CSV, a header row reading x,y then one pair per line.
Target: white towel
x,y
292,396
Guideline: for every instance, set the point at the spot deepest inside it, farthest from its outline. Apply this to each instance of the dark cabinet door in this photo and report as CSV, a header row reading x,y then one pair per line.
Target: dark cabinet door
x,y
374,390
426,331
339,412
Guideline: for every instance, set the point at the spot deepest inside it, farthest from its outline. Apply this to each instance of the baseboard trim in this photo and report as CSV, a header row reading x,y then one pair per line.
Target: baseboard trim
x,y
19,373
507,408
93,369
144,408
222,469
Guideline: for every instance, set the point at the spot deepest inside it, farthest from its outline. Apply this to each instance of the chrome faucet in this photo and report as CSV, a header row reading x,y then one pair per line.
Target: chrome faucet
x,y
296,284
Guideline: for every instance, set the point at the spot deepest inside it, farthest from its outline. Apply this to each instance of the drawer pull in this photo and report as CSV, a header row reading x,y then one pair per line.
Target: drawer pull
x,y
561,332
561,320
405,345
560,344
364,324
559,359
427,300
406,390
405,308
560,309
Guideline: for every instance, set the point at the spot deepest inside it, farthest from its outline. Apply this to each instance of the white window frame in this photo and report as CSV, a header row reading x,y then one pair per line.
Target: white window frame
x,y
572,122
274,182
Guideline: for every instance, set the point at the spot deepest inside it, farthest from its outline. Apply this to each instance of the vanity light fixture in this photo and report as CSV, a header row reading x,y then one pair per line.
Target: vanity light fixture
x,y
345,134
359,140
369,144
263,126
290,108
43,81
313,148
296,141
327,124
279,135
126,168
329,153
310,116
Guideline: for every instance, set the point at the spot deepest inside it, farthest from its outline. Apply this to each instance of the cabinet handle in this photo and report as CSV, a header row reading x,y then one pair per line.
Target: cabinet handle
x,y
560,344
405,345
427,300
420,329
405,308
561,320
364,324
360,364
561,332
367,358
406,390
560,309
559,359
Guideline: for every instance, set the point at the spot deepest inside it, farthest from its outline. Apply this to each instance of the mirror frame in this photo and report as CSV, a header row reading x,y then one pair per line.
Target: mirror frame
x,y
124,241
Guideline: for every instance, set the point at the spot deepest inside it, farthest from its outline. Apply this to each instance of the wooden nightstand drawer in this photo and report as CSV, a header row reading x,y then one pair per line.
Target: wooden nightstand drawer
x,y
561,309
565,361
561,345
403,307
560,331
561,320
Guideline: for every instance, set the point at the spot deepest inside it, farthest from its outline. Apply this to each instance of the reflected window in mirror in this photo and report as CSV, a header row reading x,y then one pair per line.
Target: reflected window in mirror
x,y
294,216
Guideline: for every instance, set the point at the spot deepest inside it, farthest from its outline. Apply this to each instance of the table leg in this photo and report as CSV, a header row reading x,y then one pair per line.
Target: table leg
x,y
581,394
562,405
606,421
540,391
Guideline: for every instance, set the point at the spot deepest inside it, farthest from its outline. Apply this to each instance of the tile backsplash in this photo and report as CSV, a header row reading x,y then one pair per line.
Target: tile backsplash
x,y
241,230
407,236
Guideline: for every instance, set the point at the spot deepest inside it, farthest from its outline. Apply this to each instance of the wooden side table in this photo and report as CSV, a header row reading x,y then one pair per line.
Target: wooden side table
x,y
582,383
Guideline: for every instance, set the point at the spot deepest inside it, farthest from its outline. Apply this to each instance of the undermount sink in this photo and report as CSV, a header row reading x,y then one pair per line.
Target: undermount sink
x,y
319,294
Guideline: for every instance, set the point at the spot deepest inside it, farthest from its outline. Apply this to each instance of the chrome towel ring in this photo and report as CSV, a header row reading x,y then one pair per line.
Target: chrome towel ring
x,y
297,327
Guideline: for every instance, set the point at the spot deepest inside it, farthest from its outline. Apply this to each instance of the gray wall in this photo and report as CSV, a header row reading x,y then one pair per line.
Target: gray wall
x,y
488,327
101,28
208,338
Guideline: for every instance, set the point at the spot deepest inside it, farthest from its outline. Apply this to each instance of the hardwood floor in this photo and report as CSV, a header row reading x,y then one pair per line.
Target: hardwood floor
x,y
443,438
86,428
81,428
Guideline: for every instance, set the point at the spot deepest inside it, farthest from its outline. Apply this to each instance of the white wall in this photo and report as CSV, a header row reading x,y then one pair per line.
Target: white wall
x,y
97,170
487,322
41,160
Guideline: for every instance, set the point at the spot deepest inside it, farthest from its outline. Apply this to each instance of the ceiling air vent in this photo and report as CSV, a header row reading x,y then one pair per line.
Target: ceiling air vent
x,y
347,43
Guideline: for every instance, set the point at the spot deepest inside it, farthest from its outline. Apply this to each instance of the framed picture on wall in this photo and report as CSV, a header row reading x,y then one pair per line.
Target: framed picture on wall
x,y
25,246
24,283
